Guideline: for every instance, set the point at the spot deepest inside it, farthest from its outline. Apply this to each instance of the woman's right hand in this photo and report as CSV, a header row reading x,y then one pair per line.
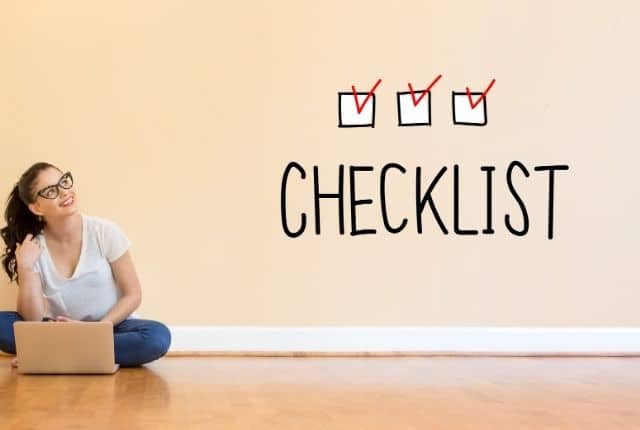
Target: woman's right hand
x,y
28,251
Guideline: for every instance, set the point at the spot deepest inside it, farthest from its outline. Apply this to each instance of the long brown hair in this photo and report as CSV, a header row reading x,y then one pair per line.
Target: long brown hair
x,y
19,218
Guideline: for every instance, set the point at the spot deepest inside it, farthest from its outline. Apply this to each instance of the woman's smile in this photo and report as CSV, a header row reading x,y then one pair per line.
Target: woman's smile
x,y
68,201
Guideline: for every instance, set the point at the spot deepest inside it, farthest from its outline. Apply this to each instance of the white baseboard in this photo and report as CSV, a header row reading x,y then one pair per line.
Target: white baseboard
x,y
428,339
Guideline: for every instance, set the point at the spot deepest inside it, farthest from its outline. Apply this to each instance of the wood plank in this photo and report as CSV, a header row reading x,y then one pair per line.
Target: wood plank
x,y
332,393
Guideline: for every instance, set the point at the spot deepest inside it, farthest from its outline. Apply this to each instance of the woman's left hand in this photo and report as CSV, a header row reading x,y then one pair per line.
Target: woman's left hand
x,y
62,318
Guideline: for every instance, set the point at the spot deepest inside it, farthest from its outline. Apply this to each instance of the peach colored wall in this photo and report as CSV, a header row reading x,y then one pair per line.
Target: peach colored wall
x,y
179,117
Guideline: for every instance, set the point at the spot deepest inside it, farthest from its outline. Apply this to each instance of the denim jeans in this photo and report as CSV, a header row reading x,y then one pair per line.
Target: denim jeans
x,y
136,341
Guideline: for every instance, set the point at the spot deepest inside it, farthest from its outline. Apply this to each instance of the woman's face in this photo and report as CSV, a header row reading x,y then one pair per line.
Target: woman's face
x,y
65,203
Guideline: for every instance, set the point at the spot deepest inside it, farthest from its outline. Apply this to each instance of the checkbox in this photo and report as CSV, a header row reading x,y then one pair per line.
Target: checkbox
x,y
464,113
348,115
411,113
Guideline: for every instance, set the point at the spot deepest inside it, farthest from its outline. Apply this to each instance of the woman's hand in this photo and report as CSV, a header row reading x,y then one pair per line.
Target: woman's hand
x,y
62,318
27,252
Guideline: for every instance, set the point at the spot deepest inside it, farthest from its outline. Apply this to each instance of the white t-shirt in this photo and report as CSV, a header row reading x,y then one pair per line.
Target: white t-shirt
x,y
91,291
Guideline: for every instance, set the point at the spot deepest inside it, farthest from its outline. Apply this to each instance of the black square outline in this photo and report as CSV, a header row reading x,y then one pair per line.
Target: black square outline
x,y
453,108
410,124
373,112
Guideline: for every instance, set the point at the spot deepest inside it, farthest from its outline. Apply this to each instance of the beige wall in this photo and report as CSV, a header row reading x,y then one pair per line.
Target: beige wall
x,y
178,118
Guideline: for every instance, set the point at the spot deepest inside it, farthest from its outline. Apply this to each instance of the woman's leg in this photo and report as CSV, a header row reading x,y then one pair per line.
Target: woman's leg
x,y
138,341
7,338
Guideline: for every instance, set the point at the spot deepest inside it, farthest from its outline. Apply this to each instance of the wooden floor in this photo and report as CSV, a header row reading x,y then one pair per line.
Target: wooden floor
x,y
332,393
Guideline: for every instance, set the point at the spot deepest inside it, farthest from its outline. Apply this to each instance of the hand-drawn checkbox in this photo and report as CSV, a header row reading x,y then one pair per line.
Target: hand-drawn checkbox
x,y
411,113
464,113
348,115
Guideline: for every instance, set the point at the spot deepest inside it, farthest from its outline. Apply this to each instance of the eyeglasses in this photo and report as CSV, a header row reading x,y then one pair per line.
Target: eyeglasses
x,y
52,191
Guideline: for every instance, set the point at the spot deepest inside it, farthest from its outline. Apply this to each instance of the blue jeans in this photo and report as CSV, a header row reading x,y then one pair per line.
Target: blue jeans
x,y
136,341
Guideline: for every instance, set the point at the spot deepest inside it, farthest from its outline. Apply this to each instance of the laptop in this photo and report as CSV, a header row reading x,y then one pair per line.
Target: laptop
x,y
65,347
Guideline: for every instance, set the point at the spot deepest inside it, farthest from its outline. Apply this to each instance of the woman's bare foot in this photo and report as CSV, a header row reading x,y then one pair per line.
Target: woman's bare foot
x,y
14,362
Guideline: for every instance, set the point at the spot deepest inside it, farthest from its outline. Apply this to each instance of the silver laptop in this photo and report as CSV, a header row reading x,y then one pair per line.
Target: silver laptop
x,y
65,347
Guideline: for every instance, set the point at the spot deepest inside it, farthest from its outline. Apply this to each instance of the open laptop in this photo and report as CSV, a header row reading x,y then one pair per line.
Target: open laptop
x,y
65,347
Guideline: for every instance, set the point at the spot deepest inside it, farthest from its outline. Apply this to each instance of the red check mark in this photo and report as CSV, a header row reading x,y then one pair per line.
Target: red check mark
x,y
482,96
359,107
419,99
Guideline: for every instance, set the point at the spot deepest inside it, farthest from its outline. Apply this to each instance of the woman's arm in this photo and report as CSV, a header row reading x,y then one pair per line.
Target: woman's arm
x,y
30,302
126,278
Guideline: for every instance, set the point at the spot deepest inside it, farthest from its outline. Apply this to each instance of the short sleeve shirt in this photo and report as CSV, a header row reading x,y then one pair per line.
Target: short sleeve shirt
x,y
91,291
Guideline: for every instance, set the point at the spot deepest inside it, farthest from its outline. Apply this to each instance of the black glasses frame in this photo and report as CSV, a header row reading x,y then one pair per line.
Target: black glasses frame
x,y
57,187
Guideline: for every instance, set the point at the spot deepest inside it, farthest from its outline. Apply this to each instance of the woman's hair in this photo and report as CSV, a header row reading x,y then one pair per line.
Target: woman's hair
x,y
19,218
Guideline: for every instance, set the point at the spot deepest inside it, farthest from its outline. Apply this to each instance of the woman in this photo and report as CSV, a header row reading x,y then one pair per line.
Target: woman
x,y
79,263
